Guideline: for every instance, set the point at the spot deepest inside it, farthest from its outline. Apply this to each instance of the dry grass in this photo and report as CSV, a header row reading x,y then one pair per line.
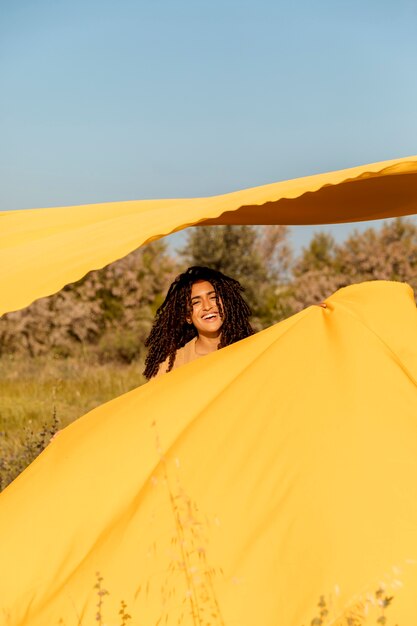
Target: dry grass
x,y
32,389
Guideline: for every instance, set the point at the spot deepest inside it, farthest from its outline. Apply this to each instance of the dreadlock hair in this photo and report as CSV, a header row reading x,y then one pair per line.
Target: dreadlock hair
x,y
171,331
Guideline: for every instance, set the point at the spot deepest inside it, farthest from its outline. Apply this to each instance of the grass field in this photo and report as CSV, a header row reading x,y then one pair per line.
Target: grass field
x,y
32,390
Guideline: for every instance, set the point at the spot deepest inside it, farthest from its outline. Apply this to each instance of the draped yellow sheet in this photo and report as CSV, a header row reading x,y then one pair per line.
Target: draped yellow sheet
x,y
235,490
287,463
44,249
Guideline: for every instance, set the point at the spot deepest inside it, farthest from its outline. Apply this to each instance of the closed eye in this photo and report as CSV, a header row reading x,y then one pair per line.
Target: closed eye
x,y
197,299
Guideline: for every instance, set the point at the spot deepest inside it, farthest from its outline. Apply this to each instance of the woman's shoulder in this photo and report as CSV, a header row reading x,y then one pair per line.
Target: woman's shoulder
x,y
182,356
185,354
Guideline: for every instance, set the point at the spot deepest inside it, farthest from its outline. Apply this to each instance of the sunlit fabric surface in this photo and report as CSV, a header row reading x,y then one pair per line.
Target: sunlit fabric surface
x,y
239,488
45,249
286,463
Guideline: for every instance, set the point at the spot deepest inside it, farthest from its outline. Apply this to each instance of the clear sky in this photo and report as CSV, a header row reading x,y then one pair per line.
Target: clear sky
x,y
119,100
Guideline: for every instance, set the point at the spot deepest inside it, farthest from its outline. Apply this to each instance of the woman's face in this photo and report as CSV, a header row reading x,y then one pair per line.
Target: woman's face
x,y
205,314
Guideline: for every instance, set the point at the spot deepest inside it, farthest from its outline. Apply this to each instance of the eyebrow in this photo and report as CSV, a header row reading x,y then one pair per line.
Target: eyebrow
x,y
206,293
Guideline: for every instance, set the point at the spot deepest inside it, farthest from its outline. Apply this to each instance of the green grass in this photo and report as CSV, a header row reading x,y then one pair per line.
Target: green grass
x,y
33,389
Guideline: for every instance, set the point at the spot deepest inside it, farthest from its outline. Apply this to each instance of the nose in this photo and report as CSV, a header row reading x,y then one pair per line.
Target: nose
x,y
207,303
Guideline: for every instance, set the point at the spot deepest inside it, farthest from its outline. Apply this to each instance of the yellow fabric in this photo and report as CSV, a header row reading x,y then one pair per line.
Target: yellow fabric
x,y
241,487
45,249
286,462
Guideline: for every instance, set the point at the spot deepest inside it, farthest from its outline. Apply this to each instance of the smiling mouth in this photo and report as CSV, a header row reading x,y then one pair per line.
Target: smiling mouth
x,y
209,317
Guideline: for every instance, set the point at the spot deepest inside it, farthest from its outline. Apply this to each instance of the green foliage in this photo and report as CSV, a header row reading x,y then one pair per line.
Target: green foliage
x,y
229,249
256,257
34,442
389,253
319,255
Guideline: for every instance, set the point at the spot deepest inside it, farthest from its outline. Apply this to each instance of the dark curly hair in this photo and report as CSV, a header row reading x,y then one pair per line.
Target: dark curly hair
x,y
170,330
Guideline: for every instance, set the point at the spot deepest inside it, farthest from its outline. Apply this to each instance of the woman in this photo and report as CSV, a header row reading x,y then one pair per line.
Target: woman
x,y
202,312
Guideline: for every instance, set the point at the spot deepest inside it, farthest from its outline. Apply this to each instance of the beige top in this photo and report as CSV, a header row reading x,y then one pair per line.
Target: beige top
x,y
184,355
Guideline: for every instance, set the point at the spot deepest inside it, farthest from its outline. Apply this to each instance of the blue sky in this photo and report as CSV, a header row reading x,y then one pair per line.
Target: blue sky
x,y
104,101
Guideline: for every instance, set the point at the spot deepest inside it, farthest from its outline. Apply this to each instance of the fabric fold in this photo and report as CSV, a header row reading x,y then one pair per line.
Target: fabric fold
x,y
242,486
42,250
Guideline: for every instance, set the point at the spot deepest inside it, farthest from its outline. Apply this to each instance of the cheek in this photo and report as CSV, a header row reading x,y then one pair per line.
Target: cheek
x,y
192,316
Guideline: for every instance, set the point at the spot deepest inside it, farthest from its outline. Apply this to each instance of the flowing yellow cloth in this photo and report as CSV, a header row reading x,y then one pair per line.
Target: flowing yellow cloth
x,y
286,462
237,489
44,249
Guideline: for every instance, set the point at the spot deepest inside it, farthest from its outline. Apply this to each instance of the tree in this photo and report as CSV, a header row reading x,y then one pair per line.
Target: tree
x,y
257,257
315,275
389,253
319,255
